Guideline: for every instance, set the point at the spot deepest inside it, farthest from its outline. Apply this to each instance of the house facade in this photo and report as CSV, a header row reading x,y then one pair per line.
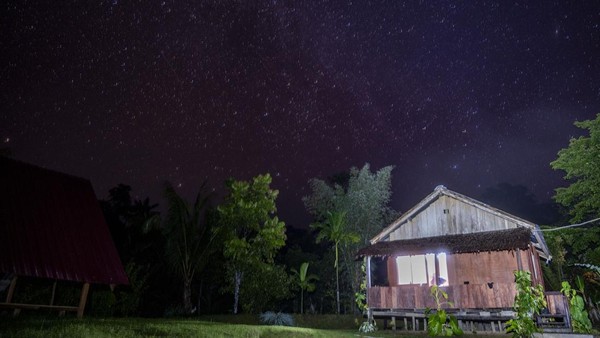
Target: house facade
x,y
466,247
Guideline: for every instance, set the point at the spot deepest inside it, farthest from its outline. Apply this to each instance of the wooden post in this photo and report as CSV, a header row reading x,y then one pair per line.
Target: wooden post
x,y
437,271
83,299
519,263
11,289
53,293
368,268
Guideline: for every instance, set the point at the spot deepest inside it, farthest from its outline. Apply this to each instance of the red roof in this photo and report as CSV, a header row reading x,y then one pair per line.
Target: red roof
x,y
51,226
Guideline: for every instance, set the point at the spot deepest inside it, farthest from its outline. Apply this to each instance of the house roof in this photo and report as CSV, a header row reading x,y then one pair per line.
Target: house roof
x,y
52,227
536,237
500,240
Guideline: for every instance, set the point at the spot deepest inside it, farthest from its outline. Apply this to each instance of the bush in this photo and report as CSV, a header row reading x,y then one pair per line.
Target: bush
x,y
367,327
279,318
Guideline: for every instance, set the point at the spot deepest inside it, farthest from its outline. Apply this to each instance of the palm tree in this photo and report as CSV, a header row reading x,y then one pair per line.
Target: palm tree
x,y
333,231
190,241
304,282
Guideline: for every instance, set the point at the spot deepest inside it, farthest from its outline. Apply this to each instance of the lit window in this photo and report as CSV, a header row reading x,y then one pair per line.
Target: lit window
x,y
420,269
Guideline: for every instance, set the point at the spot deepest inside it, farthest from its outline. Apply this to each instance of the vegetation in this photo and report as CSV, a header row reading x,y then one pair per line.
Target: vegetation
x,y
304,282
253,233
579,316
190,241
276,318
529,301
333,230
364,197
581,163
439,323
129,328
581,200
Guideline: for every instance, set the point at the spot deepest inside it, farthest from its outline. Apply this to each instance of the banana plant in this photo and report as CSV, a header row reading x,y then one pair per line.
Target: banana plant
x,y
305,282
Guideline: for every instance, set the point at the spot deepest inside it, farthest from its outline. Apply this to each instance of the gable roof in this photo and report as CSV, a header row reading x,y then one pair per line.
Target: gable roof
x,y
509,239
51,226
536,236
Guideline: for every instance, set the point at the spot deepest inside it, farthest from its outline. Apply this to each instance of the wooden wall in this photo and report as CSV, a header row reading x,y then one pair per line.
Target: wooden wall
x,y
460,218
490,277
482,268
472,296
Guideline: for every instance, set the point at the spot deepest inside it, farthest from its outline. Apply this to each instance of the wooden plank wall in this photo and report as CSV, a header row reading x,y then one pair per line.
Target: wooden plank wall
x,y
482,268
490,277
472,296
461,218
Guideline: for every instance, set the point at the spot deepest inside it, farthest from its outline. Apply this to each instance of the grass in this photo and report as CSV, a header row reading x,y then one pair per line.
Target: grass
x,y
206,326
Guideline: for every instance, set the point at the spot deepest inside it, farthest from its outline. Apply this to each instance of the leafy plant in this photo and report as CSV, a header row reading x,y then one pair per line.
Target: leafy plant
x,y
529,301
368,327
439,323
254,234
360,297
276,318
579,316
333,230
304,281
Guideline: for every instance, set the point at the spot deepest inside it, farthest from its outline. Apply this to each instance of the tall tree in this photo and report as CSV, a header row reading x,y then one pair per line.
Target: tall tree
x,y
333,230
581,163
304,282
190,240
364,197
254,233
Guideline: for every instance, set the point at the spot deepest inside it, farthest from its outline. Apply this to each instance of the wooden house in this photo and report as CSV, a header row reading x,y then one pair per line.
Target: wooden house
x,y
466,247
52,229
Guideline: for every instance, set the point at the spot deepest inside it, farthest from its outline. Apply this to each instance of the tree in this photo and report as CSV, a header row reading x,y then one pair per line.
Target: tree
x,y
253,233
333,230
304,281
364,197
581,163
190,240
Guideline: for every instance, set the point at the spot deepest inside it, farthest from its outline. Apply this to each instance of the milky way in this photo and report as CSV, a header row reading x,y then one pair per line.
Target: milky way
x,y
458,93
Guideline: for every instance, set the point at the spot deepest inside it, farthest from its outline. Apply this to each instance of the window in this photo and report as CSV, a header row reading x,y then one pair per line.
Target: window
x,y
420,269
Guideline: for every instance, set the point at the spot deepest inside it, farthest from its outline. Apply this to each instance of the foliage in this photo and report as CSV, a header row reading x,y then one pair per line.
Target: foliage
x,y
581,163
364,197
129,302
190,241
253,233
263,287
579,316
304,281
333,231
529,301
367,327
277,318
360,297
439,323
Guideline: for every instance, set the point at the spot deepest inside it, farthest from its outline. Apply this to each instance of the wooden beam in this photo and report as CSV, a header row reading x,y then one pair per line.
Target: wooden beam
x,y
83,299
519,262
11,289
437,270
53,293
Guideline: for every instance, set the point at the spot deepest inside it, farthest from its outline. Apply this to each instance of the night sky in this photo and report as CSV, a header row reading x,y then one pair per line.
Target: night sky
x,y
458,93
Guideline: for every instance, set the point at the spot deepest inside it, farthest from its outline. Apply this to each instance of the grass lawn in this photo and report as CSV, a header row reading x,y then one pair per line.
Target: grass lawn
x,y
207,326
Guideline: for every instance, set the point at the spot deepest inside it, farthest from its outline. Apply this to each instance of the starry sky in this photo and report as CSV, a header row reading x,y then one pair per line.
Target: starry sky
x,y
462,93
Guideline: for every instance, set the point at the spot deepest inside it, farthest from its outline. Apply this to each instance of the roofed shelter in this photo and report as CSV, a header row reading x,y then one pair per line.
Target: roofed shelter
x,y
52,227
468,248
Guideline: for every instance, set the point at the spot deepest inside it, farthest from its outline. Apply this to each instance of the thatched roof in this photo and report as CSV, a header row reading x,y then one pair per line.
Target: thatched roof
x,y
500,240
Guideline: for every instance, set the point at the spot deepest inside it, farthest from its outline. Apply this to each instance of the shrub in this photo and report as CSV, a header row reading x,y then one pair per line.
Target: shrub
x,y
529,301
276,318
439,323
367,327
579,316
